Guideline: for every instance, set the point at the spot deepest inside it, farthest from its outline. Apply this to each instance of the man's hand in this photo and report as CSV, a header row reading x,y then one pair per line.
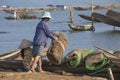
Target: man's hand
x,y
56,39
56,33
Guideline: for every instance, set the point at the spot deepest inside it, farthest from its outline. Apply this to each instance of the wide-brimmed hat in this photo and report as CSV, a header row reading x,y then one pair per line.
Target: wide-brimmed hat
x,y
46,15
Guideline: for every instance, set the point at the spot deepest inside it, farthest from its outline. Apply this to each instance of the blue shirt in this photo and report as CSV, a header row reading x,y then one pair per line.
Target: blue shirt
x,y
42,33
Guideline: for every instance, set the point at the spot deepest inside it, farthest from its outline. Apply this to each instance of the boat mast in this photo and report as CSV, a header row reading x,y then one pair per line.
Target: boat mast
x,y
91,15
71,14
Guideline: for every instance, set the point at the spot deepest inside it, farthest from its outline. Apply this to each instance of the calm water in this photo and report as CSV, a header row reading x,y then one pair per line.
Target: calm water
x,y
104,35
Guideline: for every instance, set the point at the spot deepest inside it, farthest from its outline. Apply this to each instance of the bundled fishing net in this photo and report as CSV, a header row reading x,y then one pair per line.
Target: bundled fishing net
x,y
27,57
57,48
95,61
74,57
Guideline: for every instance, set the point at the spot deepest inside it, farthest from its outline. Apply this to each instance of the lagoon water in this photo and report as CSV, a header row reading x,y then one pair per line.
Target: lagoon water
x,y
103,36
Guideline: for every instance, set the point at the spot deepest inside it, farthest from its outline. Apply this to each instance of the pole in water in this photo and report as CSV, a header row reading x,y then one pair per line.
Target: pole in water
x,y
91,15
71,14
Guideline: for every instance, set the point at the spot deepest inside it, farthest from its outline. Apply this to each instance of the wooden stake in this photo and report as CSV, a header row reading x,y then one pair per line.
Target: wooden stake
x,y
71,14
110,74
92,12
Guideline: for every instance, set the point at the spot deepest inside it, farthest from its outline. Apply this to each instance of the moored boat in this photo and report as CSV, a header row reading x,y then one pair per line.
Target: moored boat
x,y
114,14
88,18
87,27
14,65
106,19
22,17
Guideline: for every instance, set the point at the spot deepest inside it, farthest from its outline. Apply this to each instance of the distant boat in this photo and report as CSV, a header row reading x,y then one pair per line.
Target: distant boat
x,y
81,28
82,8
113,14
11,11
88,18
22,17
106,19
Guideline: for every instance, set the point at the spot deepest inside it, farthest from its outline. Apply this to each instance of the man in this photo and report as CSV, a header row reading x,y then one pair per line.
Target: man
x,y
40,40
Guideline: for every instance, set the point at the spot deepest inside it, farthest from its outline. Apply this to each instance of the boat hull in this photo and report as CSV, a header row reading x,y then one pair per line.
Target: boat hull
x,y
88,18
106,19
80,28
113,14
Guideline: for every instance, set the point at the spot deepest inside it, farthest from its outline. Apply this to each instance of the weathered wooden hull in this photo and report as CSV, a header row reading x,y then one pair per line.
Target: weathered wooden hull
x,y
96,7
113,14
80,28
14,65
88,18
106,19
25,17
10,55
11,11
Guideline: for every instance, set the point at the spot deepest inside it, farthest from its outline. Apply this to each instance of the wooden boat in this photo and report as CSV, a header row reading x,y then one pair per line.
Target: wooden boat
x,y
10,55
96,7
87,27
14,65
11,11
88,18
82,7
23,17
113,14
106,19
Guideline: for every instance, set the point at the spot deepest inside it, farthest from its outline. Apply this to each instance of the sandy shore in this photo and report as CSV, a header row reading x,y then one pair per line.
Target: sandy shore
x,y
43,76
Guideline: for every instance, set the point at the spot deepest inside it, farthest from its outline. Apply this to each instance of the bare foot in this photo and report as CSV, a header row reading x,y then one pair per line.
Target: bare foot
x,y
31,70
41,71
